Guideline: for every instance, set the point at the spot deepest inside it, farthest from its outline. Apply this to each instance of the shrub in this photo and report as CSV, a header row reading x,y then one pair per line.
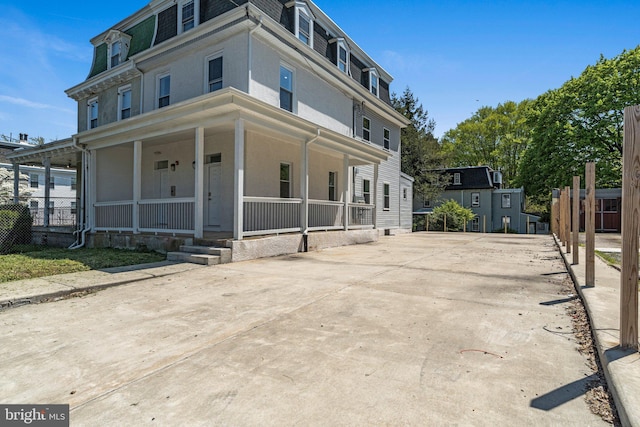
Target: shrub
x,y
15,226
456,216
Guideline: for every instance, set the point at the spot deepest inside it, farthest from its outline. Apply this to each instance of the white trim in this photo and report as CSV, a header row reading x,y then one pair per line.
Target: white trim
x,y
386,139
368,129
196,14
90,103
475,204
457,178
373,73
280,181
112,38
121,90
294,106
385,197
341,43
302,7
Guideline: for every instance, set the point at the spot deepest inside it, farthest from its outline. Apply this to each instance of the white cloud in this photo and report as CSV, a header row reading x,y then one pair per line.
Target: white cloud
x,y
30,104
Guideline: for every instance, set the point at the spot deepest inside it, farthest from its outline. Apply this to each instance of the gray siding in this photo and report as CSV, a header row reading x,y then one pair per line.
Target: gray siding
x,y
406,217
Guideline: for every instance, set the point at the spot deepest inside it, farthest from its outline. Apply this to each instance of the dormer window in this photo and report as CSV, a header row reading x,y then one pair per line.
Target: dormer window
x,y
342,54
117,47
374,82
303,22
188,13
456,179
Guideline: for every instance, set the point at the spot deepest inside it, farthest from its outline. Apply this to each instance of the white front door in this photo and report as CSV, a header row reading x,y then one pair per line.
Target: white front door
x,y
212,194
161,183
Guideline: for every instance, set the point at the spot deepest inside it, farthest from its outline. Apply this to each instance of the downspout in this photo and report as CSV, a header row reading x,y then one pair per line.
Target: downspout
x,y
84,226
250,51
305,202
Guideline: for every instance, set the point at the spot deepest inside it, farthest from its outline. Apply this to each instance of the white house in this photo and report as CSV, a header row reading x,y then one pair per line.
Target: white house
x,y
207,118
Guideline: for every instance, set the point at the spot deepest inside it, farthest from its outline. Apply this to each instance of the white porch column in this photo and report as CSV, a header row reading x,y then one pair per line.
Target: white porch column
x,y
47,188
16,183
198,223
238,192
375,195
346,192
304,187
91,188
137,184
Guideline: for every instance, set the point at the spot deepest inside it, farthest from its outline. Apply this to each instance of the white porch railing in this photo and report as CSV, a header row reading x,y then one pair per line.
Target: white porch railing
x,y
326,215
167,215
360,215
270,215
114,215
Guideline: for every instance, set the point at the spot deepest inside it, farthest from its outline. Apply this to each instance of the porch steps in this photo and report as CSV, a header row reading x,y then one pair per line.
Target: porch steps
x,y
204,255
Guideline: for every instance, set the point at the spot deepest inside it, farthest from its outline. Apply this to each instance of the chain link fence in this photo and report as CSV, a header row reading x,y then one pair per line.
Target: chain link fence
x,y
15,226
62,211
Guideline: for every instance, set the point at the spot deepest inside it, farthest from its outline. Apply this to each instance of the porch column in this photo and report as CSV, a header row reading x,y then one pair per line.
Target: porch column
x,y
375,195
346,193
198,197
47,188
238,192
16,183
304,187
90,187
137,184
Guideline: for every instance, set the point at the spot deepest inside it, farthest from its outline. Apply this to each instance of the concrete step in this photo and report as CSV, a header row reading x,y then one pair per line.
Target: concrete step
x,y
203,259
223,253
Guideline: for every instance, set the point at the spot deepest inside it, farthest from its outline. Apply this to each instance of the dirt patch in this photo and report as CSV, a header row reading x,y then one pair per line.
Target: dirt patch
x,y
597,394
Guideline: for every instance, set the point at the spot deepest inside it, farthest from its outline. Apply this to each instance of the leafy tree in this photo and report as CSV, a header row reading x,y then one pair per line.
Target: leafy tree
x,y
6,187
579,122
421,152
455,214
494,137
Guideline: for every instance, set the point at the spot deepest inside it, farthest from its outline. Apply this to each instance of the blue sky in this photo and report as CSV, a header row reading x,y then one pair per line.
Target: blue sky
x,y
455,56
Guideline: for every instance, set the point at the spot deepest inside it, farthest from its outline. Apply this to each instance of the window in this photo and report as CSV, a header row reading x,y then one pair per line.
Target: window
x,y
285,180
33,205
304,23
164,90
426,204
386,139
214,73
332,186
609,205
506,201
161,164
475,224
52,206
73,183
456,179
404,193
213,158
188,16
387,196
124,102
73,208
92,113
366,191
374,82
475,200
286,88
52,182
116,49
342,55
366,129
33,180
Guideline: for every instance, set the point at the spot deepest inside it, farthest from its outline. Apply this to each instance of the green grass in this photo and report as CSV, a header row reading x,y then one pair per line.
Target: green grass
x,y
29,261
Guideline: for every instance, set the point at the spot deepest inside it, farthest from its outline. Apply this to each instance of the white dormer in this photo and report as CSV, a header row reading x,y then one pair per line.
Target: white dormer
x,y
342,54
374,81
117,47
303,28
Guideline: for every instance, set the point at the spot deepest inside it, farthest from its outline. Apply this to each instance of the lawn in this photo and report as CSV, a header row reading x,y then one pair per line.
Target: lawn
x,y
29,261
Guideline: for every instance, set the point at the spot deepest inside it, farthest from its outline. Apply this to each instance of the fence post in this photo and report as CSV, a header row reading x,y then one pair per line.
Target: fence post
x,y
630,218
427,222
445,222
560,224
555,193
590,222
504,219
484,223
575,221
567,217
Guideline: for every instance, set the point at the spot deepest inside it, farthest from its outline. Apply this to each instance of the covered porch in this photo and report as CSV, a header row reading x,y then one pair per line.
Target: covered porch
x,y
224,164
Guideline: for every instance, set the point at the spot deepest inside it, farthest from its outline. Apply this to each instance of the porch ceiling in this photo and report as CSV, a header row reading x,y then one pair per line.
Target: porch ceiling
x,y
62,153
218,111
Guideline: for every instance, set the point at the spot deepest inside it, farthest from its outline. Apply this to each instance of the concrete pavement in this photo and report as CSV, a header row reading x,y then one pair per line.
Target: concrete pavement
x,y
421,329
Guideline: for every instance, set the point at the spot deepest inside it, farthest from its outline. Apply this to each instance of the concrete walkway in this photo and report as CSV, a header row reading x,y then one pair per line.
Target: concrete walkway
x,y
421,329
602,301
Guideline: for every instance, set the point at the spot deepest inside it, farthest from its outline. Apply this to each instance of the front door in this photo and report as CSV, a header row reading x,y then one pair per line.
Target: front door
x,y
212,195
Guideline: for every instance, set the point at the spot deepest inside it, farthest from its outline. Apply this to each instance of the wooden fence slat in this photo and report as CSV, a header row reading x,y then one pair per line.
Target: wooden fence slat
x,y
590,222
630,218
567,217
575,220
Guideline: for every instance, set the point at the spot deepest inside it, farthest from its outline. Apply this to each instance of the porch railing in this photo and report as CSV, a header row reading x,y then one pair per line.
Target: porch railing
x,y
326,215
167,215
114,215
269,215
360,215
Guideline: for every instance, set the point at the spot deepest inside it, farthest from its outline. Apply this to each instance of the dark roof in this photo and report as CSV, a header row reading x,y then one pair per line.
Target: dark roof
x,y
472,177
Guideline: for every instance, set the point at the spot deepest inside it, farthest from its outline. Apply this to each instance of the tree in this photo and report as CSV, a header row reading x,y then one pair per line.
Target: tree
x,y
494,137
421,153
456,216
579,122
6,187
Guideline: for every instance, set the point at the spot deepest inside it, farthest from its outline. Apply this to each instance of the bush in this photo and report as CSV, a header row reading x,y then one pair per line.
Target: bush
x,y
15,226
456,216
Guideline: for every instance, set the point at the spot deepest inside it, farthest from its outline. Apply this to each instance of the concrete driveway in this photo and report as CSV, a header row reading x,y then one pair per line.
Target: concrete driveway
x,y
422,329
